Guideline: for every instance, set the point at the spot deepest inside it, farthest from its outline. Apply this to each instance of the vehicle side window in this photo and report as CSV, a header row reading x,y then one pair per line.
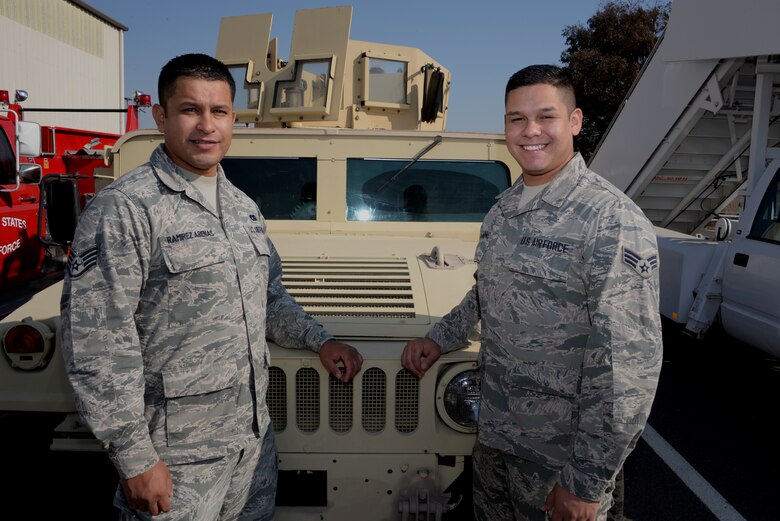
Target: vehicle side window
x,y
7,161
766,225
283,188
429,190
308,89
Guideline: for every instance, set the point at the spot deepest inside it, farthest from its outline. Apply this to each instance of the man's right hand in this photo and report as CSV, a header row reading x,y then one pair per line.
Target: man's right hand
x,y
151,491
420,354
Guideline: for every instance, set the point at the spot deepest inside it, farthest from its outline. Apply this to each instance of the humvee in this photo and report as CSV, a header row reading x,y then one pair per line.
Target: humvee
x,y
375,211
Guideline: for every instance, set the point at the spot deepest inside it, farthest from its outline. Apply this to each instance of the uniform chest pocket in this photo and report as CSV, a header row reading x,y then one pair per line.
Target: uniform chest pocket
x,y
198,280
542,268
546,274
527,288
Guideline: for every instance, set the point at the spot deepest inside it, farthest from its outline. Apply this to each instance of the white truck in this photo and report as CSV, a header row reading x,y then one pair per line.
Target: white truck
x,y
696,146
375,211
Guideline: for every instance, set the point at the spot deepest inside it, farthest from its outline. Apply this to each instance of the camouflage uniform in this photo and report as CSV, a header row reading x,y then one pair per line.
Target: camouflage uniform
x,y
567,292
165,313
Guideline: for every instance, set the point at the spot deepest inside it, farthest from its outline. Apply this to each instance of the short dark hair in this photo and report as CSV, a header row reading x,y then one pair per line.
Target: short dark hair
x,y
194,65
545,75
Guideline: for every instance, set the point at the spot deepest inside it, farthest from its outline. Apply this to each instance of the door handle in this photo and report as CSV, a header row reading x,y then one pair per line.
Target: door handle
x,y
741,259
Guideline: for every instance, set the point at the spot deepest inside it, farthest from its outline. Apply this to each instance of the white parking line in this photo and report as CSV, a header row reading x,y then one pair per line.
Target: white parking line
x,y
692,479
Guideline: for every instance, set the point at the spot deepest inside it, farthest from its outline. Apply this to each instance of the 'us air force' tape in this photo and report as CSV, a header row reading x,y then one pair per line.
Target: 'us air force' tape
x,y
79,264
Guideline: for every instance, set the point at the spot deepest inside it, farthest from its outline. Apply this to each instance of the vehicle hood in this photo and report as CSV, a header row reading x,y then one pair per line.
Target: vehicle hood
x,y
376,287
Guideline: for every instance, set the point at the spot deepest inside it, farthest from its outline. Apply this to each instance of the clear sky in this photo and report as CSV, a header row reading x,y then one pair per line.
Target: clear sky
x,y
481,42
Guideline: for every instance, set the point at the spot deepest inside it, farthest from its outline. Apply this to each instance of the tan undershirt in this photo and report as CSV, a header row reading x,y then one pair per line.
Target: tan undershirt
x,y
529,192
206,186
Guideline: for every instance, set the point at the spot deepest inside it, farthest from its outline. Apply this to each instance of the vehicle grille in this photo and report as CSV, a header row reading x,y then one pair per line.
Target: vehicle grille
x,y
377,287
338,405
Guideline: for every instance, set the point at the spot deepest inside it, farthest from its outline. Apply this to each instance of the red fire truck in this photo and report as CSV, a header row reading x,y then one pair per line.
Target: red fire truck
x,y
65,162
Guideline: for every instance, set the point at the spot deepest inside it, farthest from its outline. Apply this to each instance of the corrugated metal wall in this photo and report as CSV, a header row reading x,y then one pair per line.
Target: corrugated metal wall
x,y
64,57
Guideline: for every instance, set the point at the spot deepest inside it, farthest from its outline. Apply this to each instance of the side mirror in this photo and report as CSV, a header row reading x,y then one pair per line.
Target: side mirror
x,y
60,204
30,173
29,135
433,95
723,229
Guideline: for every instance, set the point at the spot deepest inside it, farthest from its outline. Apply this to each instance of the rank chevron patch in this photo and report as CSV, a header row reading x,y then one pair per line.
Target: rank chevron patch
x,y
81,263
644,267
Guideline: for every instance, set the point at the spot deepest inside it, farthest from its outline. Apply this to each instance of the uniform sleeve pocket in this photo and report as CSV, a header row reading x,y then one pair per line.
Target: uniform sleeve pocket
x,y
200,403
259,241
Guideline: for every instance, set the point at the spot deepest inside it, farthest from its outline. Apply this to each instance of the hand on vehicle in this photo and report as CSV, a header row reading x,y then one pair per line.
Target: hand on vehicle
x,y
565,506
420,354
332,352
151,491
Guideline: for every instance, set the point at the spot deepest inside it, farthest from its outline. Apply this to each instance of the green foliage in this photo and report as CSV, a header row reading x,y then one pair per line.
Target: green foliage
x,y
604,58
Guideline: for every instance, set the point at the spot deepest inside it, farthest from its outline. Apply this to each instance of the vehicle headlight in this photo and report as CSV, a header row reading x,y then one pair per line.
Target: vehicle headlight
x,y
457,397
27,344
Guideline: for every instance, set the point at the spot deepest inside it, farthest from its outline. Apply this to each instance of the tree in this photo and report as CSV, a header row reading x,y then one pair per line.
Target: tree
x,y
605,57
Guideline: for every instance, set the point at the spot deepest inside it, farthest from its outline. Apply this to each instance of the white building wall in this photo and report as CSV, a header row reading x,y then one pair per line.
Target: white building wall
x,y
64,57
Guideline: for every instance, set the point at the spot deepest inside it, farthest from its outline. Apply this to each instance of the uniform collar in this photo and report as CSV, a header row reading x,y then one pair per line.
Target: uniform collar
x,y
169,175
555,193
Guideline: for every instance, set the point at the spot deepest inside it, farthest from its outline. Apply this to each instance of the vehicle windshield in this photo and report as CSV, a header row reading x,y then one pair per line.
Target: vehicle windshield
x,y
430,190
766,225
283,188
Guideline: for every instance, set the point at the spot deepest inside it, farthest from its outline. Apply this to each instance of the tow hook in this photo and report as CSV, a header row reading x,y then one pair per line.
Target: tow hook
x,y
422,507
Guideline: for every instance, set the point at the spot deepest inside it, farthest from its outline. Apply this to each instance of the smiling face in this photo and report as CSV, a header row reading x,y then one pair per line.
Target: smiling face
x,y
540,126
197,122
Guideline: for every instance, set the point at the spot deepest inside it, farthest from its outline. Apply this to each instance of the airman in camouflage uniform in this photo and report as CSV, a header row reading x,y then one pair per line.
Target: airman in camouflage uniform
x,y
567,296
165,312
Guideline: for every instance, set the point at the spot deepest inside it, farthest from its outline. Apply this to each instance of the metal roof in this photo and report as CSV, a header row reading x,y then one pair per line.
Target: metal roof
x,y
100,15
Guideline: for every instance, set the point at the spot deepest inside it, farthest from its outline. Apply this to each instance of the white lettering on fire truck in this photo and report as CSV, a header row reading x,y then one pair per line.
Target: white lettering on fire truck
x,y
11,247
14,222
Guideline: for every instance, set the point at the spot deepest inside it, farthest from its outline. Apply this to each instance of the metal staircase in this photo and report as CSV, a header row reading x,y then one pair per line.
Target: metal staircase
x,y
681,144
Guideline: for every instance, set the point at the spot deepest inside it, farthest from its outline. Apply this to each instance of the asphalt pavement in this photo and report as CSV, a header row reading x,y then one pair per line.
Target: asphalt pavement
x,y
717,407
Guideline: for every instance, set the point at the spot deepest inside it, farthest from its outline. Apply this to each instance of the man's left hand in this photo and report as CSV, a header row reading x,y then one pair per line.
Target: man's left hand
x,y
565,506
333,352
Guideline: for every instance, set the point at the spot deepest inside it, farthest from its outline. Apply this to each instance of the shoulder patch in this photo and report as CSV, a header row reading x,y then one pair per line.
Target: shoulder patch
x,y
79,264
644,267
